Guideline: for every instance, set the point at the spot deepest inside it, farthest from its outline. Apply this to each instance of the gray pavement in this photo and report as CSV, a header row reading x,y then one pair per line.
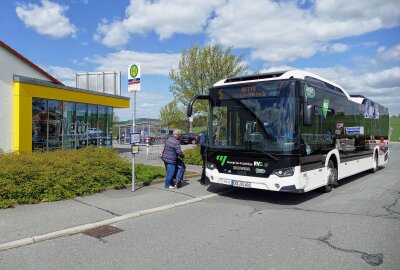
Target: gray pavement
x,y
27,221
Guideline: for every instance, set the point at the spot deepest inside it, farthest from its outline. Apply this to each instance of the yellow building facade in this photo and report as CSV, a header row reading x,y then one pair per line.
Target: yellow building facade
x,y
39,113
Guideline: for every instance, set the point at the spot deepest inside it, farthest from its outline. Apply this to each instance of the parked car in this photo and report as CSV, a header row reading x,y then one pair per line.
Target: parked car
x,y
96,136
191,138
95,132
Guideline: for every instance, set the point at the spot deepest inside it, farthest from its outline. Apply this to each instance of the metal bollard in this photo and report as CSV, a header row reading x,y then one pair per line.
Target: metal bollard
x,y
147,149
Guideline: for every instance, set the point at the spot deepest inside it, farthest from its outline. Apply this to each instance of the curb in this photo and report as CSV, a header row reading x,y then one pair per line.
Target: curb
x,y
82,228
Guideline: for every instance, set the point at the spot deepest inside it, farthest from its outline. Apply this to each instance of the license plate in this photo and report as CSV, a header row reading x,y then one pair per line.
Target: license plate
x,y
224,181
240,184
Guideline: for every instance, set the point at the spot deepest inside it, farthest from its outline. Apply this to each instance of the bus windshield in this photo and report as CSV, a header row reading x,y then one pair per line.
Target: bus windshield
x,y
261,117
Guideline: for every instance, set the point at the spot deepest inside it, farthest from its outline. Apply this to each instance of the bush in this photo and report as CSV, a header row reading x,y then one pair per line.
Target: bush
x,y
198,130
51,176
192,156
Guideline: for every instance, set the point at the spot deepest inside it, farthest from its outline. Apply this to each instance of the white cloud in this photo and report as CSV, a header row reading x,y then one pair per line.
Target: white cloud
x,y
335,48
389,78
148,103
47,19
363,14
281,31
390,54
381,49
112,34
275,31
64,74
165,17
151,63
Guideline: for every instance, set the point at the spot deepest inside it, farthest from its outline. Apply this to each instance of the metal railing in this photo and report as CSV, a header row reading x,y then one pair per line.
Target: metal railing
x,y
103,82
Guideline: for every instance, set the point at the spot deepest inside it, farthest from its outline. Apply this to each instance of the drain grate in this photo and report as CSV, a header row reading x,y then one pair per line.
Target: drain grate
x,y
103,231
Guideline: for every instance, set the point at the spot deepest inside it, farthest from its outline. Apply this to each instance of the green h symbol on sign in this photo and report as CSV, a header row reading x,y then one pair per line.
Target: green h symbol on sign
x,y
222,159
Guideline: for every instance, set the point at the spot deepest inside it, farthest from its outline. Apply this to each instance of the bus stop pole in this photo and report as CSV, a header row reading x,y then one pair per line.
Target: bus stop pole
x,y
133,131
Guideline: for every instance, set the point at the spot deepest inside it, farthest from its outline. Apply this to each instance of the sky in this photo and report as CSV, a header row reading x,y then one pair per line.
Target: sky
x,y
355,44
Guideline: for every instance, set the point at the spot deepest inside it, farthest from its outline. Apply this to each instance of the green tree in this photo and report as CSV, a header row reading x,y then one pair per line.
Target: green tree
x,y
171,116
199,68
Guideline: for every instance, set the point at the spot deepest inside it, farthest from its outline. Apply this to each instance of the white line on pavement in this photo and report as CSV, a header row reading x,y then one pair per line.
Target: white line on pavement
x,y
81,228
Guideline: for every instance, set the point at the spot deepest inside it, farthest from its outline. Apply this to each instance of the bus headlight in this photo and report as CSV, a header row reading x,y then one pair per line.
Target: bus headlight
x,y
210,166
284,172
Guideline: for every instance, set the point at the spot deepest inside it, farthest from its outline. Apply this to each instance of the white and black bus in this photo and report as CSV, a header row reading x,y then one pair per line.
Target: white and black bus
x,y
291,131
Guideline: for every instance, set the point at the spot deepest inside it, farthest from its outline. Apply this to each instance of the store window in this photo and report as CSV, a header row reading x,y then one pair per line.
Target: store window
x,y
81,125
102,124
92,123
69,125
109,125
54,127
39,124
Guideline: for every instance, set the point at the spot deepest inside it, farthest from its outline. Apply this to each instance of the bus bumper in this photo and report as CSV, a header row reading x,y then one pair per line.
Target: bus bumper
x,y
272,183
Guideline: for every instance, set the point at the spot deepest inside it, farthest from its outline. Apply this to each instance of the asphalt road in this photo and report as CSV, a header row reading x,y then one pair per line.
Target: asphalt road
x,y
356,226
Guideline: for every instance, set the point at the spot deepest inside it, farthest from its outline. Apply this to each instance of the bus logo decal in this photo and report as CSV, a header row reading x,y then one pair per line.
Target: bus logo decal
x,y
258,163
258,170
309,91
325,107
222,159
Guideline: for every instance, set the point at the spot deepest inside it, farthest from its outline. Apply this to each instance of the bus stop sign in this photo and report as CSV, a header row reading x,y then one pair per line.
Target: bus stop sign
x,y
134,138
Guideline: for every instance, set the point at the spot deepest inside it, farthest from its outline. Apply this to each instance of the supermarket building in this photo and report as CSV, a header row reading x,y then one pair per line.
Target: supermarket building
x,y
39,113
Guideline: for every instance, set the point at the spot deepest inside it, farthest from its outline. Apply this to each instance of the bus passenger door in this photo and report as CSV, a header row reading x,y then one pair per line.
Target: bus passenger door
x,y
311,155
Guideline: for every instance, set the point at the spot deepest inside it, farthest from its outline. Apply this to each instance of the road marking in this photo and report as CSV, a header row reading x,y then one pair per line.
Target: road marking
x,y
81,228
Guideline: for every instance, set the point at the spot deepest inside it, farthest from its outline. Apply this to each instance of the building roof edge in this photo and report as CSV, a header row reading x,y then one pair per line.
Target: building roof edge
x,y
24,59
23,79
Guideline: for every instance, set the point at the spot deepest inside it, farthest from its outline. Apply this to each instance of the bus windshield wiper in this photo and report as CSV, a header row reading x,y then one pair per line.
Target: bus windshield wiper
x,y
264,152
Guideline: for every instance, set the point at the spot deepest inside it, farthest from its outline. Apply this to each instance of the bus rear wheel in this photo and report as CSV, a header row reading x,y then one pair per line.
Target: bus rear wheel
x,y
332,177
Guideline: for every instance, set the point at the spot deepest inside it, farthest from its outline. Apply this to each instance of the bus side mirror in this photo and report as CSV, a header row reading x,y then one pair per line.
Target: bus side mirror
x,y
190,105
309,112
190,108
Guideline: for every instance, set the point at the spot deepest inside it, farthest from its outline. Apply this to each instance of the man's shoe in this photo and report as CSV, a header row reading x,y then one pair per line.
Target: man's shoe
x,y
178,184
171,187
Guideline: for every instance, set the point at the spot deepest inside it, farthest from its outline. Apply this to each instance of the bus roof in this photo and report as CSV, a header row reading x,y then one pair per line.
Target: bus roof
x,y
281,75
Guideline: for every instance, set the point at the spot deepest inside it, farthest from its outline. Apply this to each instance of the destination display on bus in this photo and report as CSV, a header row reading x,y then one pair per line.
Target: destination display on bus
x,y
257,90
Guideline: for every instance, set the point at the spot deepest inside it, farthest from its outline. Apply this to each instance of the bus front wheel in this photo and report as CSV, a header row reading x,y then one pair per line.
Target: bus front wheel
x,y
375,166
332,177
